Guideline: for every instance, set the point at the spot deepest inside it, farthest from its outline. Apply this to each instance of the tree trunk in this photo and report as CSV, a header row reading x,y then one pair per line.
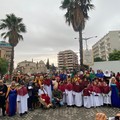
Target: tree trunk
x,y
81,48
12,62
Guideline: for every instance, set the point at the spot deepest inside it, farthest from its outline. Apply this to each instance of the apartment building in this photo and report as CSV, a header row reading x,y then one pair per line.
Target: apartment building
x,y
106,45
67,59
5,50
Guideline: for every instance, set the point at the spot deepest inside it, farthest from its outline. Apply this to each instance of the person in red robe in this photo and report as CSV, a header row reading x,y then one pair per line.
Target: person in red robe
x,y
22,97
96,93
62,87
69,93
86,97
47,85
78,87
44,98
85,82
106,94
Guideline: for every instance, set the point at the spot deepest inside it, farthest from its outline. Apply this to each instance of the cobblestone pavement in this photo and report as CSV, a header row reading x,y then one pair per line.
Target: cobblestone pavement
x,y
64,113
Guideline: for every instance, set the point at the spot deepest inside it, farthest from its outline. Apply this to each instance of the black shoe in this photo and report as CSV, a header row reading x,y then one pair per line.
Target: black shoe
x,y
68,106
4,114
25,112
21,114
54,107
73,106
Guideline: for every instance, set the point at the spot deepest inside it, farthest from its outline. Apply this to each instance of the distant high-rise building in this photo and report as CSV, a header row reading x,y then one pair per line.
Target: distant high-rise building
x,y
67,59
106,45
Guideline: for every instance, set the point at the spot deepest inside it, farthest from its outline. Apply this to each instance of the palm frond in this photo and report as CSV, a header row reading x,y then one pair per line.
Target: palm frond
x,y
20,37
2,34
65,4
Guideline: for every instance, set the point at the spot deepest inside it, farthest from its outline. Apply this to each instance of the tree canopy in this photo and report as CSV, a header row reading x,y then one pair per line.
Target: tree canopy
x,y
115,55
13,26
3,66
98,59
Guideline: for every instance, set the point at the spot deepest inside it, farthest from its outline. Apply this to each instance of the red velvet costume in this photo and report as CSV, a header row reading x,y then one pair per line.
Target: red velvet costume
x,y
22,91
86,92
47,82
46,98
78,87
69,87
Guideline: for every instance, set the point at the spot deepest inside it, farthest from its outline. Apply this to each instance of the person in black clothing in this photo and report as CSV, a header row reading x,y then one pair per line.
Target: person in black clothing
x,y
35,95
30,93
3,91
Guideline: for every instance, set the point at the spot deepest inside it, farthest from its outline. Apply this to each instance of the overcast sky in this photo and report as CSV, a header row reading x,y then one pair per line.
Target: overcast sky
x,y
47,32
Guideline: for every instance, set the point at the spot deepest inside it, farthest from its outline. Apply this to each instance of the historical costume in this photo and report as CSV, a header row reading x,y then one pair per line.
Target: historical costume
x,y
3,91
100,85
115,98
22,97
107,76
86,98
69,93
106,94
77,92
47,86
96,93
12,99
61,87
44,98
90,88
99,74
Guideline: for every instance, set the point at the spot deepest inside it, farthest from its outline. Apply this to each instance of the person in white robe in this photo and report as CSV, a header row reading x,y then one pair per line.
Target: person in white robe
x,y
106,94
77,92
69,93
86,98
22,97
47,86
44,98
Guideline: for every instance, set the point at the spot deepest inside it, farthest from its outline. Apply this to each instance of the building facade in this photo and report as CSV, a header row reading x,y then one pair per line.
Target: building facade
x,y
30,67
67,60
106,45
5,50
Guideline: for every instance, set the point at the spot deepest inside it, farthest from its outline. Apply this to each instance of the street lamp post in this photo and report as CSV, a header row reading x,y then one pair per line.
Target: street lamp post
x,y
86,39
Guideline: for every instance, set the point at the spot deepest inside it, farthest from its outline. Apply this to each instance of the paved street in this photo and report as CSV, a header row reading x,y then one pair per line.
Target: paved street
x,y
64,113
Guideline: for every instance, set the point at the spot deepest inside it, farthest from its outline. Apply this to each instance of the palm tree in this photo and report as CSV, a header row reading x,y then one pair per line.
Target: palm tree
x,y
77,14
14,27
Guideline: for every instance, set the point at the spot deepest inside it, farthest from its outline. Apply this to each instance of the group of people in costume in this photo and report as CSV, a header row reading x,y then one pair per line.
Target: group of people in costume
x,y
87,89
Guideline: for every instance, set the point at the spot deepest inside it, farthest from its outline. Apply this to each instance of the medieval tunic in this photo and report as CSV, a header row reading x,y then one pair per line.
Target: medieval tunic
x,y
69,94
44,96
96,98
86,98
101,94
106,95
22,100
115,99
90,88
12,101
77,92
61,87
47,86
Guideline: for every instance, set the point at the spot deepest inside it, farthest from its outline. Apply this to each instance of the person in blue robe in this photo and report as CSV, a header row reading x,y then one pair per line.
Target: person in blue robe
x,y
12,99
115,97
